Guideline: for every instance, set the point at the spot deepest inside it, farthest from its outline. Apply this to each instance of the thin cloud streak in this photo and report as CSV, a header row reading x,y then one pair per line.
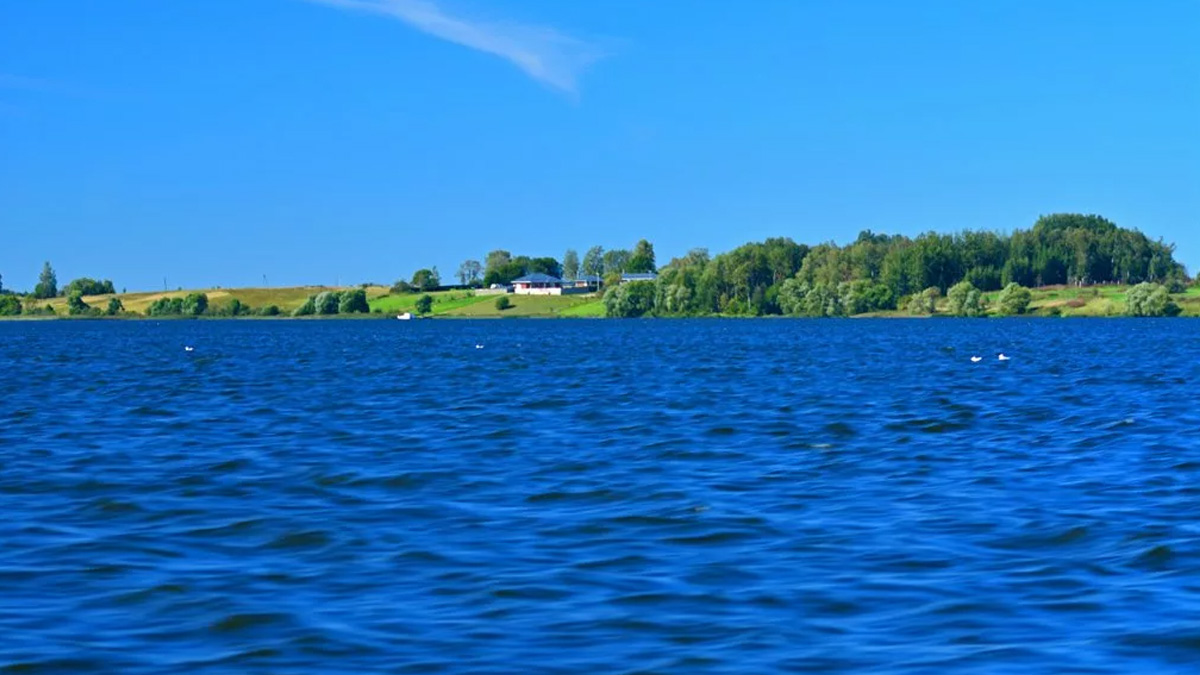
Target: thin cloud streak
x,y
545,54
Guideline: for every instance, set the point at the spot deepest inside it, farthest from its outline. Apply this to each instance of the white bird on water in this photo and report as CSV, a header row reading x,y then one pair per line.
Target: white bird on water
x,y
189,348
478,346
1005,358
976,359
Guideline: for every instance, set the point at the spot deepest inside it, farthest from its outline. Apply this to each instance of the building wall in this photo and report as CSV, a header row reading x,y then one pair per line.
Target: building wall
x,y
519,290
578,290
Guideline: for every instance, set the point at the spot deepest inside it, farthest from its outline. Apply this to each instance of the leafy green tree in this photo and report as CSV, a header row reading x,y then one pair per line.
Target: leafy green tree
x,y
1176,283
1,283
269,310
629,300
570,265
195,304
593,262
47,285
495,260
1150,300
1014,299
545,265
925,302
115,307
424,304
519,267
792,296
674,290
469,272
9,305
236,308
823,300
160,307
309,307
401,287
965,300
852,295
426,279
76,306
354,302
616,260
642,259
503,303
86,286
326,302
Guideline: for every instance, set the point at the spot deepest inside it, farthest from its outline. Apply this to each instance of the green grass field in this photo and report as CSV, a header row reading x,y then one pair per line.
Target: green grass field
x,y
443,302
531,306
593,309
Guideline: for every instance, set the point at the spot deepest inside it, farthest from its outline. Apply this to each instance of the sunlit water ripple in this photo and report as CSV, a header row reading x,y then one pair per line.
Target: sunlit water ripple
x,y
588,497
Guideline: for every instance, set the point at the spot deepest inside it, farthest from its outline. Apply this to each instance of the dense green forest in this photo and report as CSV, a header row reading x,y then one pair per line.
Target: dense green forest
x,y
886,272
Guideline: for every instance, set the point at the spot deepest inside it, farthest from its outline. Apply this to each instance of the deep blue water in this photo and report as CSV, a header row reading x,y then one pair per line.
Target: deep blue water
x,y
600,496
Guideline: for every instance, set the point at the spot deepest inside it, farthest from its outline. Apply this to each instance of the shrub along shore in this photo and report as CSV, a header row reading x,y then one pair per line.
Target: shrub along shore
x,y
1065,265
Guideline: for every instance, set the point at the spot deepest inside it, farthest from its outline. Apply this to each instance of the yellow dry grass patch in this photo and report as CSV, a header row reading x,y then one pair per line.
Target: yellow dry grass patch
x,y
286,298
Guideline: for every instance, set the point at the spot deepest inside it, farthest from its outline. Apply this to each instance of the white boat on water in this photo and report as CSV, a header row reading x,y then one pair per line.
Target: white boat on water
x,y
405,316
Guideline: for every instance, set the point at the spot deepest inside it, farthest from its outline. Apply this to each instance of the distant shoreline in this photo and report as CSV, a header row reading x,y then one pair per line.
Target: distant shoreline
x,y
1047,302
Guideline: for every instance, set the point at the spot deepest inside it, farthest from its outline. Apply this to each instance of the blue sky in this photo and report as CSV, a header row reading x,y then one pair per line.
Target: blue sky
x,y
213,142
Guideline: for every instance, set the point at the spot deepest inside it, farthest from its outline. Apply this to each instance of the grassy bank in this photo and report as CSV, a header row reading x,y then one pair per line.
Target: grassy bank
x,y
1092,301
1069,301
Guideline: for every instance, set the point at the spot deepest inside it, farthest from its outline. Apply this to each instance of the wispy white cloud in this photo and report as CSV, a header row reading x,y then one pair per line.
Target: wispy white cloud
x,y
544,53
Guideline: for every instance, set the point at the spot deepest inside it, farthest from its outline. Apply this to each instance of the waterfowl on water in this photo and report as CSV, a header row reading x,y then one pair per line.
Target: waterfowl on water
x,y
189,348
976,359
1005,358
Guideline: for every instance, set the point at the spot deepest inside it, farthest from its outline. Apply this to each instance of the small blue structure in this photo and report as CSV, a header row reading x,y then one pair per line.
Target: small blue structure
x,y
638,276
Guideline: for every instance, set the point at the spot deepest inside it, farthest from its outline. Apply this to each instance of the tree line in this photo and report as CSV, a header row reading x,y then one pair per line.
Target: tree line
x,y
501,267
880,272
875,272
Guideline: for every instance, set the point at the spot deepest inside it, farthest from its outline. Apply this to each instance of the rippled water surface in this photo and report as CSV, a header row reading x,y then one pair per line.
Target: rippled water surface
x,y
600,496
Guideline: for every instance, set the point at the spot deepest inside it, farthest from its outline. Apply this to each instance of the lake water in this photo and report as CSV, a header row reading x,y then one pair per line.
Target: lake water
x,y
600,496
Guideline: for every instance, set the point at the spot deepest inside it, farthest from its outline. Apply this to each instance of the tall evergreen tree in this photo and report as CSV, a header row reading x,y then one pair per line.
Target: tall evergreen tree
x,y
593,261
642,258
570,265
47,286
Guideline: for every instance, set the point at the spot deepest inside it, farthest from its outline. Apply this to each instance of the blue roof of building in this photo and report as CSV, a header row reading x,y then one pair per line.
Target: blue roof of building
x,y
590,278
538,278
639,276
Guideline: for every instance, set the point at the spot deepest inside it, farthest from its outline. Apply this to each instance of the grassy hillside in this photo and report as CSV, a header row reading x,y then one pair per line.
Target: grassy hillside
x,y
530,306
443,302
286,298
